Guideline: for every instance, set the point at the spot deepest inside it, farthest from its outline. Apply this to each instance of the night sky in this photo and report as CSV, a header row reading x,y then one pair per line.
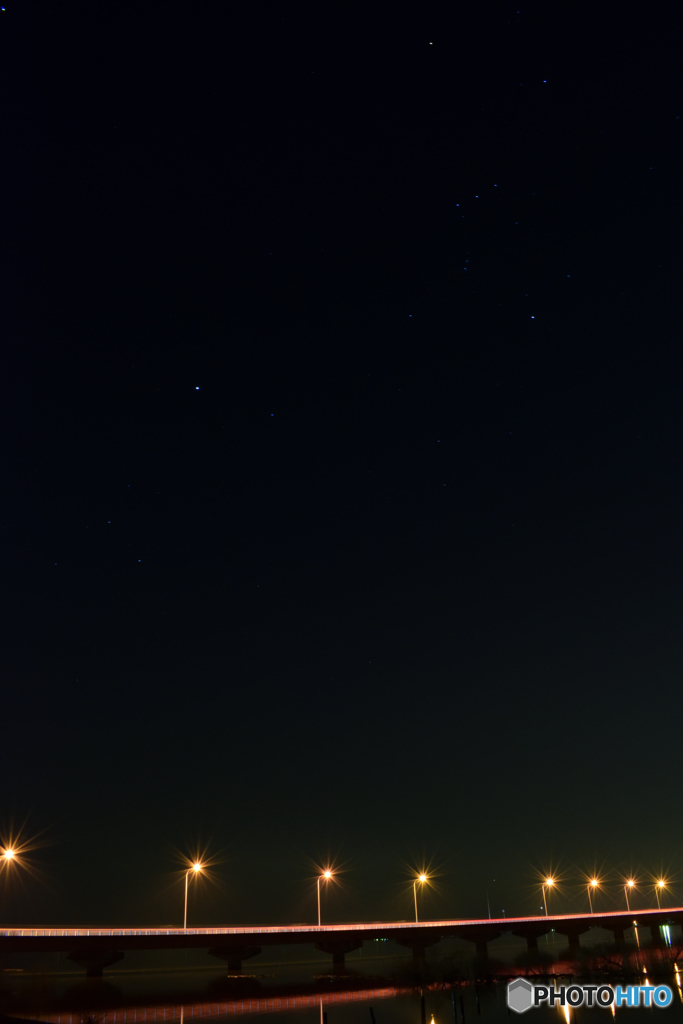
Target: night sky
x,y
341,454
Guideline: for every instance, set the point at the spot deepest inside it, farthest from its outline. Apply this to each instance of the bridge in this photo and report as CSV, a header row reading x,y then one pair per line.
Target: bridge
x,y
97,948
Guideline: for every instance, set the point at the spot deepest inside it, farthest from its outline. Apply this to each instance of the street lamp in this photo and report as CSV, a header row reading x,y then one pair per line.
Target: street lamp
x,y
548,884
9,854
660,886
593,884
326,876
630,885
421,879
194,870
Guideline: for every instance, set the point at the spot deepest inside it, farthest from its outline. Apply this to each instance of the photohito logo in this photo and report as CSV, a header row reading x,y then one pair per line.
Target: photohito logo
x,y
522,995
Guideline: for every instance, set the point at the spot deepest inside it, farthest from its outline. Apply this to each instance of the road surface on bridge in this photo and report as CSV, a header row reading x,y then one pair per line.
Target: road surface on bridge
x,y
51,937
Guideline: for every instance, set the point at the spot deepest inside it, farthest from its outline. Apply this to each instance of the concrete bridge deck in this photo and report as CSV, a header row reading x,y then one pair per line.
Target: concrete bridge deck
x,y
97,947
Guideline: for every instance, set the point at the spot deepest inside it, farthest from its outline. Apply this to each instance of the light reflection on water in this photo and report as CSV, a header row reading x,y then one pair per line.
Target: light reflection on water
x,y
388,1005
291,992
221,1010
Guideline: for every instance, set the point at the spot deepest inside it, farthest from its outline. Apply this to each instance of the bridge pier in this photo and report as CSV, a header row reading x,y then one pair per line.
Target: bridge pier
x,y
481,938
531,937
338,948
94,961
571,932
656,936
419,956
418,943
234,955
482,948
619,936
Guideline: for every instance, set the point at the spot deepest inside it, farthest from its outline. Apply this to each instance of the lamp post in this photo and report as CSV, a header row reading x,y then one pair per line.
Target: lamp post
x,y
421,879
326,876
661,885
548,884
194,870
593,884
630,885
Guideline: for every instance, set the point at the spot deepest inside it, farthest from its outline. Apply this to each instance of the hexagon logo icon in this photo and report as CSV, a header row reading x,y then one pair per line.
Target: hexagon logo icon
x,y
520,995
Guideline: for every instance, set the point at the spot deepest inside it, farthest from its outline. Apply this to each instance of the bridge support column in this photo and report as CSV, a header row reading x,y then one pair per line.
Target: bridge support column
x,y
619,936
235,955
418,943
94,961
656,934
532,943
338,950
573,938
481,938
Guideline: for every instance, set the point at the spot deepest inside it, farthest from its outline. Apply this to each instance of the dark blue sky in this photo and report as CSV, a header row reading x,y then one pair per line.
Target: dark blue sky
x,y
342,452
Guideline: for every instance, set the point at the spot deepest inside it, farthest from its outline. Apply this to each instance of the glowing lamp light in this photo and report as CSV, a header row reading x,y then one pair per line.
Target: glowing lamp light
x,y
326,876
630,885
8,854
193,870
593,883
421,878
547,884
659,888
